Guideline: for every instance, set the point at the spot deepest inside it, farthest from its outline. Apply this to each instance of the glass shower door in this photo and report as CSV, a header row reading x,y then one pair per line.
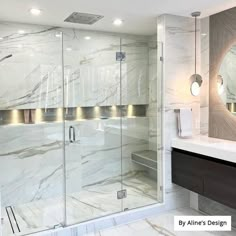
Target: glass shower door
x,y
93,132
31,143
80,123
141,74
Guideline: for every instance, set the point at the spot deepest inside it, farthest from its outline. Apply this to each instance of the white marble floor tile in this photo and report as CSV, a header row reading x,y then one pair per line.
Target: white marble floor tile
x,y
92,202
159,225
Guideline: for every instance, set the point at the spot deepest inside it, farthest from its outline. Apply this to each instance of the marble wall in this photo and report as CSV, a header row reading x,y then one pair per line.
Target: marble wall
x,y
31,162
154,117
177,35
204,96
175,31
31,157
32,77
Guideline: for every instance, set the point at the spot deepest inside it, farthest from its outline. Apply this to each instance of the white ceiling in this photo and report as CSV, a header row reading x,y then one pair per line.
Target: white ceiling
x,y
139,15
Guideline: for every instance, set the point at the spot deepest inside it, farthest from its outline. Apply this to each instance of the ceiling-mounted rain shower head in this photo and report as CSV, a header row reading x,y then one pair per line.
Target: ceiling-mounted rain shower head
x,y
83,18
196,14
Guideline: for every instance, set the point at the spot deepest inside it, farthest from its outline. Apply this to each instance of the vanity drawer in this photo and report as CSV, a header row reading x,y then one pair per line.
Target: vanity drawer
x,y
187,171
222,170
188,180
219,182
184,161
212,178
220,191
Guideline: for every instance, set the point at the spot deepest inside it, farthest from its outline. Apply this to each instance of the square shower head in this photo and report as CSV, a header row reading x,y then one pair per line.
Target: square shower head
x,y
83,18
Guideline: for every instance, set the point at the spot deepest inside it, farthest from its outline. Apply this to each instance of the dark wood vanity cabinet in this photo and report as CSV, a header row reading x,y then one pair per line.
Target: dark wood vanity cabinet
x,y
210,177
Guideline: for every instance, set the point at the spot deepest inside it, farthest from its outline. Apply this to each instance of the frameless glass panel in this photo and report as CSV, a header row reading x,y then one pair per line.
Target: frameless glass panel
x,y
31,128
92,100
159,129
141,129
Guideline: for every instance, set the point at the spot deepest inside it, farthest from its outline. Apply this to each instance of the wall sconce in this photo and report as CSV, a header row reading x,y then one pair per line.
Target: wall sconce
x,y
220,84
196,79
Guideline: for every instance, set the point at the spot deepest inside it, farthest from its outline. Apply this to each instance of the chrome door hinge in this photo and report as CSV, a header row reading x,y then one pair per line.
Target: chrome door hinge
x,y
58,226
161,58
120,56
122,194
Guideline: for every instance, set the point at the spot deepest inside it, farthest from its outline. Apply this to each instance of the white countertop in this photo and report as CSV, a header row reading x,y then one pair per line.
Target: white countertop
x,y
212,147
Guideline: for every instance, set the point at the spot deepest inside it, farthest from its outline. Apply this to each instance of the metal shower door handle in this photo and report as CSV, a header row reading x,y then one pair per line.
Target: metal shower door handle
x,y
72,134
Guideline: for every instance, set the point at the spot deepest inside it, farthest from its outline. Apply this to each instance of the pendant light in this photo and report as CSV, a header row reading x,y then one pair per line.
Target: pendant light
x,y
196,79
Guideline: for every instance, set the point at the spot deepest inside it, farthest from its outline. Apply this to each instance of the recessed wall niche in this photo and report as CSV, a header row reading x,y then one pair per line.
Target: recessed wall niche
x,y
32,116
222,123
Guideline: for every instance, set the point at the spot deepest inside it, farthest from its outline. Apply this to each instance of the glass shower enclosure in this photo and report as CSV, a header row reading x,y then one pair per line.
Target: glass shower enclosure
x,y
80,125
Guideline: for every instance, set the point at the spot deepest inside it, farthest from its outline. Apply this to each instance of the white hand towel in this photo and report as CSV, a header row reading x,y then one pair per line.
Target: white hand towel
x,y
185,122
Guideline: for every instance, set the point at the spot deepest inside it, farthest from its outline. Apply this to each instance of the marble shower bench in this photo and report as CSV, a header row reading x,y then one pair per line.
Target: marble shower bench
x,y
147,158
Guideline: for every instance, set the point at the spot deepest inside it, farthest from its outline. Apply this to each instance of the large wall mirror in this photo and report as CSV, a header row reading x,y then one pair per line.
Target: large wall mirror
x,y
226,81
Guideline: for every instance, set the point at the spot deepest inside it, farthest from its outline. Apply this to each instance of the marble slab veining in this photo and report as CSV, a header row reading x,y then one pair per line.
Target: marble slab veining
x,y
158,225
32,77
204,95
177,35
91,202
31,162
174,199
